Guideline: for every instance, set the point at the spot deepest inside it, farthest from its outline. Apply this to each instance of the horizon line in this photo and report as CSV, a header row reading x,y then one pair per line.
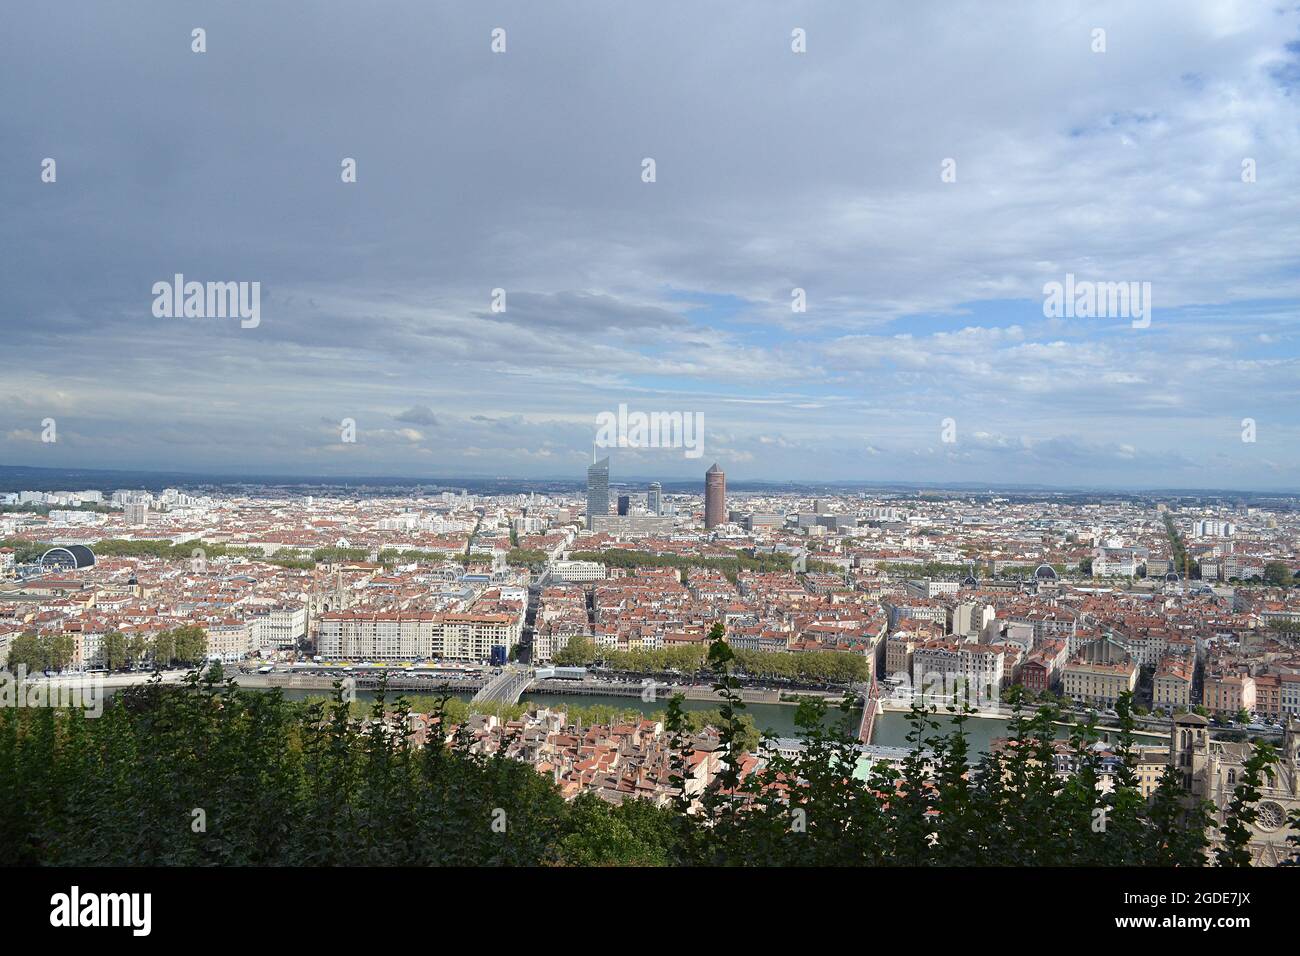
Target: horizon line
x,y
966,487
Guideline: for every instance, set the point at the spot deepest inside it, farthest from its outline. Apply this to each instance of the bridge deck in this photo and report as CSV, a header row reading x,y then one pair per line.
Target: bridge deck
x,y
506,687
869,708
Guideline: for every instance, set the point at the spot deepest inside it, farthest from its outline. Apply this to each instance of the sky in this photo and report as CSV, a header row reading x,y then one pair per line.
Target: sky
x,y
922,171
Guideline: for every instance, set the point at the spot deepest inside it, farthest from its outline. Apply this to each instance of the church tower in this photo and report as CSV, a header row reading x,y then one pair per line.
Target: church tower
x,y
1189,753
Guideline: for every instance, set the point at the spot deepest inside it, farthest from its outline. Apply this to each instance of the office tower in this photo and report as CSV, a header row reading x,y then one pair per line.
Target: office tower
x,y
654,500
624,504
715,496
597,490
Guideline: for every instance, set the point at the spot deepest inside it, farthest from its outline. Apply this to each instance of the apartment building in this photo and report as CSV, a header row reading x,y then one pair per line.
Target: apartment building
x,y
970,619
375,635
973,671
412,635
899,647
1289,694
1101,672
229,640
577,571
1121,562
471,636
278,628
1268,695
1228,694
1172,683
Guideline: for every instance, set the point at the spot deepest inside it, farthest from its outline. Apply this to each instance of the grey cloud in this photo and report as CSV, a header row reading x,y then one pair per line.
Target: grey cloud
x,y
522,172
418,415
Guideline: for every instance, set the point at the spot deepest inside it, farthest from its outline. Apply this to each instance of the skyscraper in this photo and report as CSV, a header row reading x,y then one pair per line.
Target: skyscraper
x,y
624,504
715,496
597,490
654,500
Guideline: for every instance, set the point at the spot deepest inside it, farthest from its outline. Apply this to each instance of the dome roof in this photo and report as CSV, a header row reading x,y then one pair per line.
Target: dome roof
x,y
68,557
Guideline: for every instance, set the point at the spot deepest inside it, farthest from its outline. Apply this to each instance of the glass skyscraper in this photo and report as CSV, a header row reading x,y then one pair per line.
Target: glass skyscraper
x,y
597,490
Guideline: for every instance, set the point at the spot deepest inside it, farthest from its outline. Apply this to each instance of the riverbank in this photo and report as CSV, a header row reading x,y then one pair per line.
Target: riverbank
x,y
891,726
324,684
775,718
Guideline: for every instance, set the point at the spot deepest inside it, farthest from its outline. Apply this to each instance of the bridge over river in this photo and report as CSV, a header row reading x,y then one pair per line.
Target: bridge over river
x,y
506,687
869,708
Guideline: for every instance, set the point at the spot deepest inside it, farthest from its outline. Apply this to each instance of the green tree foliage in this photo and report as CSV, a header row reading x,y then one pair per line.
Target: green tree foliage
x,y
816,667
1179,548
114,648
41,652
730,565
1278,574
182,645
205,774
526,556
578,652
25,552
335,555
1294,839
121,548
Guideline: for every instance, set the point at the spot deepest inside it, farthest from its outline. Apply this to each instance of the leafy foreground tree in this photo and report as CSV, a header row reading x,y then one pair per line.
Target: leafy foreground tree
x,y
206,774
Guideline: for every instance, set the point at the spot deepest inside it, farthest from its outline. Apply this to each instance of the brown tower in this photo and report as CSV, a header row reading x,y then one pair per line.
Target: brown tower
x,y
715,496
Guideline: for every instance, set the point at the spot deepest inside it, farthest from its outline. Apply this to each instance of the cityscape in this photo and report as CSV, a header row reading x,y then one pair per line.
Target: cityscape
x,y
564,622
667,439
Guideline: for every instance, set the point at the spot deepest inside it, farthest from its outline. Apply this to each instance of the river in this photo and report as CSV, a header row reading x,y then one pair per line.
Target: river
x,y
891,728
778,719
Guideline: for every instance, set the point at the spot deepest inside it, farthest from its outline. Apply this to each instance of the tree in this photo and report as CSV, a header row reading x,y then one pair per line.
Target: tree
x,y
42,652
190,643
62,651
578,652
163,648
1278,574
325,783
722,801
114,649
136,650
1294,839
25,651
636,833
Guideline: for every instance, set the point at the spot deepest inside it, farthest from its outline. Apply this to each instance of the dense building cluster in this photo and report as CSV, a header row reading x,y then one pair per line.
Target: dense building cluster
x,y
1189,605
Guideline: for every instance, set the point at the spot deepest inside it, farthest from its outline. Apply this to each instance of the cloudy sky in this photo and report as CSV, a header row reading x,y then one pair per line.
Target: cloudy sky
x,y
774,170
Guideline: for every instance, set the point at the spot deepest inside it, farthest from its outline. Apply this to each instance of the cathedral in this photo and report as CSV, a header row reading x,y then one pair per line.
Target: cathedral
x,y
1210,770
